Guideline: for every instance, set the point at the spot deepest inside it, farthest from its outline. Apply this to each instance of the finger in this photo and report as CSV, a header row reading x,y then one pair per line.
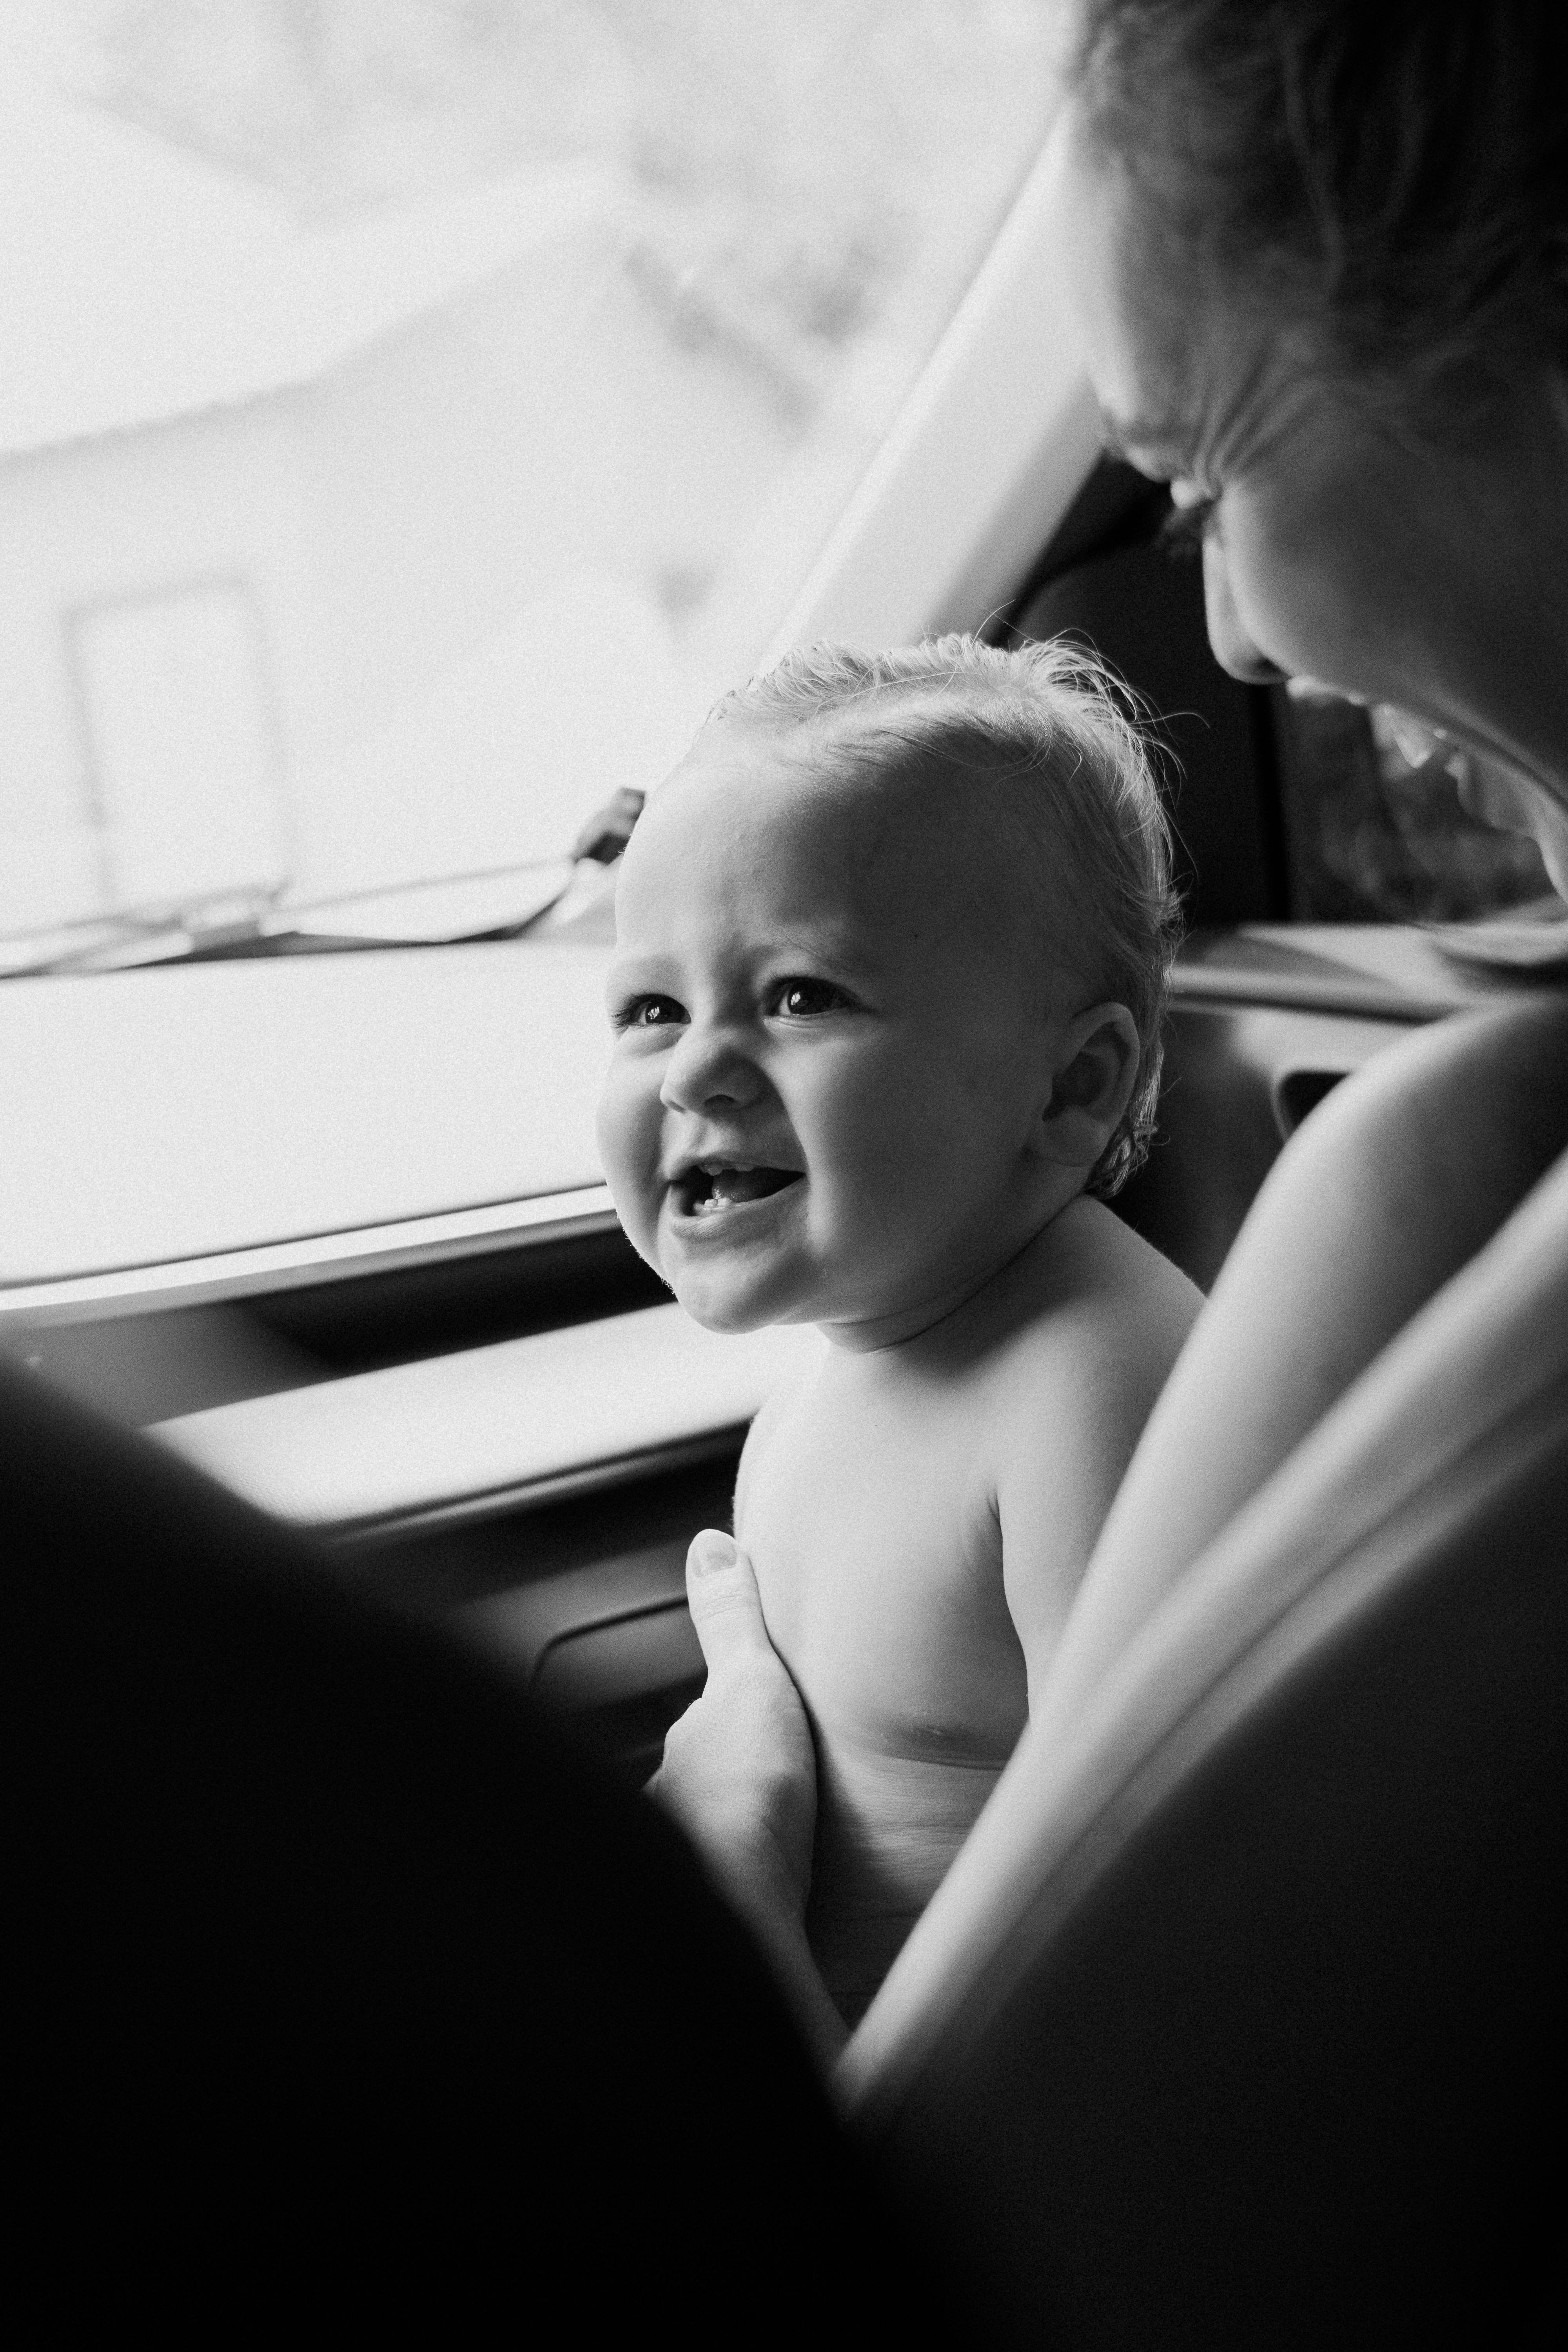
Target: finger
x,y
721,1592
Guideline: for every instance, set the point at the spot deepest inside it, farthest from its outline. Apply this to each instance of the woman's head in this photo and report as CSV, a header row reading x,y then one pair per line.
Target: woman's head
x,y
1318,252
1391,179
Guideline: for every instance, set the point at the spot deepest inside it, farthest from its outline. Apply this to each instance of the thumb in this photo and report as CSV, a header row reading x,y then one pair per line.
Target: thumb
x,y
722,1592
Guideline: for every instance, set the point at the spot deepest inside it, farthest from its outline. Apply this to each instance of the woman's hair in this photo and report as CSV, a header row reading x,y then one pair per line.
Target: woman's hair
x,y
1395,171
1052,728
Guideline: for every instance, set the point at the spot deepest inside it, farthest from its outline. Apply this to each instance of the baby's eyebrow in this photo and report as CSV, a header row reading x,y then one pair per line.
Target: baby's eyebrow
x,y
627,959
829,945
629,974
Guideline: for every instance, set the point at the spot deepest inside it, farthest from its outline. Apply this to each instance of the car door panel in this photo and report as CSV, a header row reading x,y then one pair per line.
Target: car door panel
x,y
1237,1081
584,1598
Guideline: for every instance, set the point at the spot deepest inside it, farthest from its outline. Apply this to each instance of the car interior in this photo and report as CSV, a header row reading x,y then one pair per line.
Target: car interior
x,y
1217,2078
305,1382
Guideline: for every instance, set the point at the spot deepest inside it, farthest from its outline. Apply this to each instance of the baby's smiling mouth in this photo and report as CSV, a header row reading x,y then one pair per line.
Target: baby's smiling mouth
x,y
715,1186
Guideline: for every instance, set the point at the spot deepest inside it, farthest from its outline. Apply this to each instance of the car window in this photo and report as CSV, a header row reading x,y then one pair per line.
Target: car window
x,y
415,416
1375,829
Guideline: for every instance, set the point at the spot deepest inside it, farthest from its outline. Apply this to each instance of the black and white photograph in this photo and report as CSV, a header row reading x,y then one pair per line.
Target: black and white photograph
x,y
784,1171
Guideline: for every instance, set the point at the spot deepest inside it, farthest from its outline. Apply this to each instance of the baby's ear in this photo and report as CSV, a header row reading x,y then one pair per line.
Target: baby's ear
x,y
1095,1072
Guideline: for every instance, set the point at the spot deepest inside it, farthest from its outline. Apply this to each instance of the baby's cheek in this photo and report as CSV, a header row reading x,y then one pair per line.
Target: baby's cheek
x,y
627,1126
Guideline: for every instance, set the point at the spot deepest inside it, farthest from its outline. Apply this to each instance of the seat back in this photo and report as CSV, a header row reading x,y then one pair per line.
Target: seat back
x,y
1269,2047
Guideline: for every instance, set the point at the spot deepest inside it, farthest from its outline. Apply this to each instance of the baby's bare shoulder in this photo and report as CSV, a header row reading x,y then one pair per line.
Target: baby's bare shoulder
x,y
1089,1280
1071,1393
1119,1285
1095,1343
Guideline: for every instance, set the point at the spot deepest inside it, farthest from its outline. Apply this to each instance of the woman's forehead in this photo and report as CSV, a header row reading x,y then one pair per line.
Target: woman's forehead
x,y
1178,360
1129,332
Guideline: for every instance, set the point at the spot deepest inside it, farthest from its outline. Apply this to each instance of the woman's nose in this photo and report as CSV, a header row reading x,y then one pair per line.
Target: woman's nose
x,y
708,1068
1233,648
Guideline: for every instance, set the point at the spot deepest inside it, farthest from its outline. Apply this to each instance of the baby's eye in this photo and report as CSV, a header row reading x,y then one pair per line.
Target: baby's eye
x,y
648,1013
799,1000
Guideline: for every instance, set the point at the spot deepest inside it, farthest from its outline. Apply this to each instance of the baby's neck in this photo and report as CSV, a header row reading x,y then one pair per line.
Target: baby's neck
x,y
975,1307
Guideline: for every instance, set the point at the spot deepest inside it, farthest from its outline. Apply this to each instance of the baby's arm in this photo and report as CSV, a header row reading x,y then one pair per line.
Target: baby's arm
x,y
1078,1399
1077,1395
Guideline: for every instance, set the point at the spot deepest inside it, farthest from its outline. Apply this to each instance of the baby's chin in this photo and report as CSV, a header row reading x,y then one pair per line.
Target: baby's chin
x,y
730,1304
730,1317
718,1306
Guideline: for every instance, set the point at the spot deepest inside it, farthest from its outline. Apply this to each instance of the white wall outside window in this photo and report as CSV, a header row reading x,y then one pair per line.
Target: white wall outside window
x,y
181,747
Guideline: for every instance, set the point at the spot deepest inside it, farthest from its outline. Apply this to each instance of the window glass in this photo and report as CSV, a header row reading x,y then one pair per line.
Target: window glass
x,y
176,716
415,413
1375,829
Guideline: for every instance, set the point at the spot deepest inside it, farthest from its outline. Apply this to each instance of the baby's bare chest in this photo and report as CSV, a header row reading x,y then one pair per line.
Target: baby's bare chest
x,y
875,1535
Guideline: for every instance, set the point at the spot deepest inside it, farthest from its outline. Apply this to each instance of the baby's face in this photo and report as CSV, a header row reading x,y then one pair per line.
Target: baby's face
x,y
828,1058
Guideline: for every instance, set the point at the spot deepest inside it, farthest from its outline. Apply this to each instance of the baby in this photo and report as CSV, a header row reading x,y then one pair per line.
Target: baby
x,y
891,953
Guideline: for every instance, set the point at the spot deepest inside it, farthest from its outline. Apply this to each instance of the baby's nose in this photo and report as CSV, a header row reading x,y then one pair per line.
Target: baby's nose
x,y
707,1068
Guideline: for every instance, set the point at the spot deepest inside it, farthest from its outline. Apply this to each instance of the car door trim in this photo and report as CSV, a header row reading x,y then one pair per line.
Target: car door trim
x,y
533,1493
313,1258
483,1431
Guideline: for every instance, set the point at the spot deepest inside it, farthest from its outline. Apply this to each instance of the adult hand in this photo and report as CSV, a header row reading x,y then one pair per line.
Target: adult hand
x,y
740,1774
739,1771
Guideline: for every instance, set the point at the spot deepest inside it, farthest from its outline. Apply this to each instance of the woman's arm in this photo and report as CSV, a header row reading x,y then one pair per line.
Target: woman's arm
x,y
1391,1187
